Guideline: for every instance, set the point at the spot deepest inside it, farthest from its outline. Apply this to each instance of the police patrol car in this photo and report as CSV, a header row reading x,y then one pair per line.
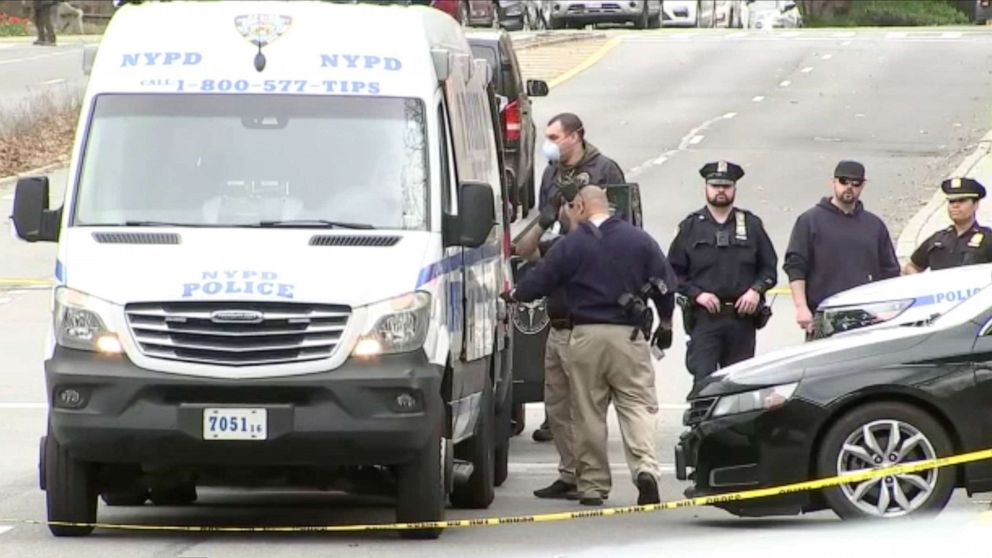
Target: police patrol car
x,y
906,300
280,260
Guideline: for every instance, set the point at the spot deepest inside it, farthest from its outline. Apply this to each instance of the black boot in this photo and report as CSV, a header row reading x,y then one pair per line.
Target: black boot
x,y
647,490
543,434
559,490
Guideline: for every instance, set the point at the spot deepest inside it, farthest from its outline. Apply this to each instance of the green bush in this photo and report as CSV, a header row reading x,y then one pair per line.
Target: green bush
x,y
889,13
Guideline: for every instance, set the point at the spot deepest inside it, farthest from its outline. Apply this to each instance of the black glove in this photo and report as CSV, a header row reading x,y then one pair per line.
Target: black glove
x,y
548,217
662,337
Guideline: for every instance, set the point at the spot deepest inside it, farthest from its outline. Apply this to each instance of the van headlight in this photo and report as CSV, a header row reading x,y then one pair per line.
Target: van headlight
x,y
80,322
757,400
846,318
398,325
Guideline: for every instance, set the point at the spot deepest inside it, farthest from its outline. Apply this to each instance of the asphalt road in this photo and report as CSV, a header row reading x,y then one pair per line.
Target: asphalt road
x,y
32,74
661,105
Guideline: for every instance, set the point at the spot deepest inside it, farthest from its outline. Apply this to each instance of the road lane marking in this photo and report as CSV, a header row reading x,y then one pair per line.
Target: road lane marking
x,y
22,406
585,64
895,35
5,528
5,300
843,34
785,83
791,34
826,57
846,43
53,81
951,35
683,145
758,99
24,281
38,57
807,69
695,140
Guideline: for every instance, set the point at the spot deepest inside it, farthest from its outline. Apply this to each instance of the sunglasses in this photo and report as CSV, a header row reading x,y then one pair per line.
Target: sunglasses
x,y
856,182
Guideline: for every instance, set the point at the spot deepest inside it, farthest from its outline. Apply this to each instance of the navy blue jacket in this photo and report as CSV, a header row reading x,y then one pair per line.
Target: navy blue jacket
x,y
597,267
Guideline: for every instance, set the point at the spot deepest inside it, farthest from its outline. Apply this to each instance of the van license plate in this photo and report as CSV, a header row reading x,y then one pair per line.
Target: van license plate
x,y
234,424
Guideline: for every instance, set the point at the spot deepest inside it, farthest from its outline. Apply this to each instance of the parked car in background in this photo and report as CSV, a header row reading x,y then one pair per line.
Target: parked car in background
x,y
679,13
511,14
719,13
773,14
644,14
472,13
519,131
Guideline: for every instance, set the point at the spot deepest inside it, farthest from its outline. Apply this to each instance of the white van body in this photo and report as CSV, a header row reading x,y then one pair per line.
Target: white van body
x,y
208,312
904,300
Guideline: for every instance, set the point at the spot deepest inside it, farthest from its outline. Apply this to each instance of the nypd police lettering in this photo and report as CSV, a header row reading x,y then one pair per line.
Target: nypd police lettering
x,y
161,59
956,296
214,283
359,61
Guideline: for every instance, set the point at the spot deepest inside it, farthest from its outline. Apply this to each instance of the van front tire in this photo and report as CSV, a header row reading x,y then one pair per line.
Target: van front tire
x,y
422,488
479,491
70,491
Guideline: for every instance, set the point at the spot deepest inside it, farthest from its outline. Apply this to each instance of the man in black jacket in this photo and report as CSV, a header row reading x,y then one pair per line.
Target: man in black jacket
x,y
573,160
837,245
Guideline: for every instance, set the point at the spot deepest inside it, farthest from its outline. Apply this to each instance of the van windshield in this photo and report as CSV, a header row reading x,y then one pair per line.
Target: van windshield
x,y
248,160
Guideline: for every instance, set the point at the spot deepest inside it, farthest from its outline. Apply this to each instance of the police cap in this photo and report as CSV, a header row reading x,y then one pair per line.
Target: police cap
x,y
721,172
963,188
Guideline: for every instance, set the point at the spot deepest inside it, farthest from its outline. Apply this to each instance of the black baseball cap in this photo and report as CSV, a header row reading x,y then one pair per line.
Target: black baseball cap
x,y
850,169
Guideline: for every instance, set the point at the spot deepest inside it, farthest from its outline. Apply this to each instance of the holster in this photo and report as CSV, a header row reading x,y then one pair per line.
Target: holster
x,y
762,317
688,314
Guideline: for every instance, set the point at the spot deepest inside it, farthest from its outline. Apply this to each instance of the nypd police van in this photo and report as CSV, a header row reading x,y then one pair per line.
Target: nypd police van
x,y
279,262
900,301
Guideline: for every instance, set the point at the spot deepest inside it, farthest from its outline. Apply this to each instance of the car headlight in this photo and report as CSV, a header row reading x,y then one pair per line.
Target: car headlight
x,y
757,400
846,318
79,322
398,325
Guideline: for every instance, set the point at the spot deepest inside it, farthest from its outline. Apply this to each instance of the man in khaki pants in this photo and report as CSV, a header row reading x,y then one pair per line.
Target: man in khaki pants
x,y
607,267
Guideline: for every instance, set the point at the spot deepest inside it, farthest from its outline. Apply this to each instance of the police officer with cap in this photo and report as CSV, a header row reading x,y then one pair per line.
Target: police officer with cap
x,y
609,269
963,243
725,263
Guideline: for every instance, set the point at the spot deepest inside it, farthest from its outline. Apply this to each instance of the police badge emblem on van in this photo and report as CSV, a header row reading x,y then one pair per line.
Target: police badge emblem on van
x,y
262,29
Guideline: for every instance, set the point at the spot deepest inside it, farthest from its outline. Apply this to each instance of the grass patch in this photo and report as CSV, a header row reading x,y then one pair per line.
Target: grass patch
x,y
38,133
893,13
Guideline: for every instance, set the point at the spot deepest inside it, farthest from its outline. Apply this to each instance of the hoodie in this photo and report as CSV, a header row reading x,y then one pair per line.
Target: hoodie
x,y
597,168
834,251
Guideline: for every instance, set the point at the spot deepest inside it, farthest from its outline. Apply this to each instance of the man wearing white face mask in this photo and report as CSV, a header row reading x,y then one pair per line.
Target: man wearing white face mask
x,y
571,159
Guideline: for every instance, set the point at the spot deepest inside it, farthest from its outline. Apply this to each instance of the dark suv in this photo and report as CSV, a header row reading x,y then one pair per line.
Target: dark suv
x,y
519,133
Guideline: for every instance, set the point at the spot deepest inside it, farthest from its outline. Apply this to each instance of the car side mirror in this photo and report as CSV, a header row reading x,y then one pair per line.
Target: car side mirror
x,y
32,219
476,216
537,88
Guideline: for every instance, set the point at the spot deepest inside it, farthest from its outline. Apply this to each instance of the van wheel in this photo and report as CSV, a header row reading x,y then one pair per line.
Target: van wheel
x,y
70,492
130,497
422,487
478,492
884,434
501,469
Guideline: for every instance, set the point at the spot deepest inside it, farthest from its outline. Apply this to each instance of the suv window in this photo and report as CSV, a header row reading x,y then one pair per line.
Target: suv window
x,y
510,76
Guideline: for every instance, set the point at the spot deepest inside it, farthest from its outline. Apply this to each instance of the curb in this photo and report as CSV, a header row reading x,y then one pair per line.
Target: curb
x,y
8,180
544,38
909,238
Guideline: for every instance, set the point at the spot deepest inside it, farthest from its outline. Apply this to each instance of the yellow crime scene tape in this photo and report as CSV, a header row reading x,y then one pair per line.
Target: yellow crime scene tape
x,y
753,494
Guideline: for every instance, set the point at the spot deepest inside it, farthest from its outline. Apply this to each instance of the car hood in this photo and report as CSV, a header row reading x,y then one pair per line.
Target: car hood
x,y
857,349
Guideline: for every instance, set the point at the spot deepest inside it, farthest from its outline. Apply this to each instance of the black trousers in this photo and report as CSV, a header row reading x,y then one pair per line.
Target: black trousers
x,y
717,342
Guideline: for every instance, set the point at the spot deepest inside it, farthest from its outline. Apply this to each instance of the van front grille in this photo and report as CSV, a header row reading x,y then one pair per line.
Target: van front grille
x,y
237,333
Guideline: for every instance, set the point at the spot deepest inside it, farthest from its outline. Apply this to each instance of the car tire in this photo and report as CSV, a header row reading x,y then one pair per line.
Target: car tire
x,y
501,468
70,491
422,487
128,497
478,491
847,441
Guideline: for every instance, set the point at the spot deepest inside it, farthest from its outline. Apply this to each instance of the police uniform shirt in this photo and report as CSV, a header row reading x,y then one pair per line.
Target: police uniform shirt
x,y
946,248
724,259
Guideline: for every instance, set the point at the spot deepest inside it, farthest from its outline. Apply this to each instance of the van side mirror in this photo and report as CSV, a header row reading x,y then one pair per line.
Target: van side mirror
x,y
33,221
537,88
476,216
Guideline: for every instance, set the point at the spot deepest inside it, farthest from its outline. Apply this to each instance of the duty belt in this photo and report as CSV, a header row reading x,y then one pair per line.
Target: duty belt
x,y
561,323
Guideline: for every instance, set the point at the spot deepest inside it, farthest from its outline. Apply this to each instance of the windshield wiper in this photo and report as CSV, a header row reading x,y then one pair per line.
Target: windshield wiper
x,y
315,223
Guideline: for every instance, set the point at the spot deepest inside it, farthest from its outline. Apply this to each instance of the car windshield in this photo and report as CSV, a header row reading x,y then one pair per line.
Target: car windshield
x,y
245,160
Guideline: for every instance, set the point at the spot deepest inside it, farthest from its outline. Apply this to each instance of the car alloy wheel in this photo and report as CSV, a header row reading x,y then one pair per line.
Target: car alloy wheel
x,y
883,443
